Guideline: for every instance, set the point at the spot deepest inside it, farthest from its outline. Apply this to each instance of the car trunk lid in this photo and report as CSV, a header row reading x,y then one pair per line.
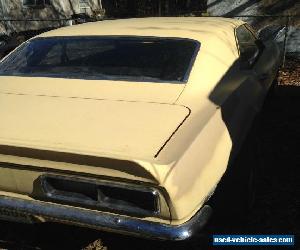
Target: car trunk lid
x,y
87,126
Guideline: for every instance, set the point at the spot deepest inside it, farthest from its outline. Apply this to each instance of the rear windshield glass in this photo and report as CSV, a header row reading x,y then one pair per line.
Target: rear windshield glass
x,y
120,58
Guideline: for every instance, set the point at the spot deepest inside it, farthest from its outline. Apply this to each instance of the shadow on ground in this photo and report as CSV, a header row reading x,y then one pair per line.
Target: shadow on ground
x,y
275,210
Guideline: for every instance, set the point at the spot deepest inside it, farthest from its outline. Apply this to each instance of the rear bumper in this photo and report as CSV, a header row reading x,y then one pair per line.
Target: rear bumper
x,y
36,211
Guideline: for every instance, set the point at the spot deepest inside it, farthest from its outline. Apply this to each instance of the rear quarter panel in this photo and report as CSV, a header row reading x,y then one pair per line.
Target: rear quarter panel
x,y
195,175
224,102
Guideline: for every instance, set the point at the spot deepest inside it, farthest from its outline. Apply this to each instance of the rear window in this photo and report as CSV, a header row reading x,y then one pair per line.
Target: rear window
x,y
114,58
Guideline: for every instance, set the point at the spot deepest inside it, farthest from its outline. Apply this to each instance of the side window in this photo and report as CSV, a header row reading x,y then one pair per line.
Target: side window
x,y
248,47
254,33
53,56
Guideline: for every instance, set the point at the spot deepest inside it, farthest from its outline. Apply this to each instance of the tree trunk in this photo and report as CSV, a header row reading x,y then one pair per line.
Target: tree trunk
x,y
132,8
100,4
166,7
188,4
159,7
72,7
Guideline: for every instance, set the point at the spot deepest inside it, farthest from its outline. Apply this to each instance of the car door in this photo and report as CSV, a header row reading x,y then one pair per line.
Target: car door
x,y
254,72
258,60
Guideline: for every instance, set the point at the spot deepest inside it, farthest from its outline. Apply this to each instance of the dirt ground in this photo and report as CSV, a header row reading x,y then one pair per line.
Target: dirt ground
x,y
290,74
277,203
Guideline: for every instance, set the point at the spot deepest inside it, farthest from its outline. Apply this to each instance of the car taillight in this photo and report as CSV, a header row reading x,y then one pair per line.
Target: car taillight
x,y
122,198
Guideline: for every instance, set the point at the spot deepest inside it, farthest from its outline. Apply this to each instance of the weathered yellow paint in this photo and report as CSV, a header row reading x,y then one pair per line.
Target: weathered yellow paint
x,y
131,121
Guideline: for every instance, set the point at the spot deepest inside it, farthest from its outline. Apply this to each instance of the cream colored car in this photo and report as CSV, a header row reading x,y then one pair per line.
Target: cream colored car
x,y
128,125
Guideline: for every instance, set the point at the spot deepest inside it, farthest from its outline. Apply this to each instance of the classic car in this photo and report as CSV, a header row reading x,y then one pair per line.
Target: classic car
x,y
129,125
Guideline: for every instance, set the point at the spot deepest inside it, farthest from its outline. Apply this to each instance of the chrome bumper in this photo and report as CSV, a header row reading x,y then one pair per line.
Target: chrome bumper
x,y
35,211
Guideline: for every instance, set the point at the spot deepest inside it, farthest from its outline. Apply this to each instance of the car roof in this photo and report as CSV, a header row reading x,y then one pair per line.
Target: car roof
x,y
196,28
218,45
